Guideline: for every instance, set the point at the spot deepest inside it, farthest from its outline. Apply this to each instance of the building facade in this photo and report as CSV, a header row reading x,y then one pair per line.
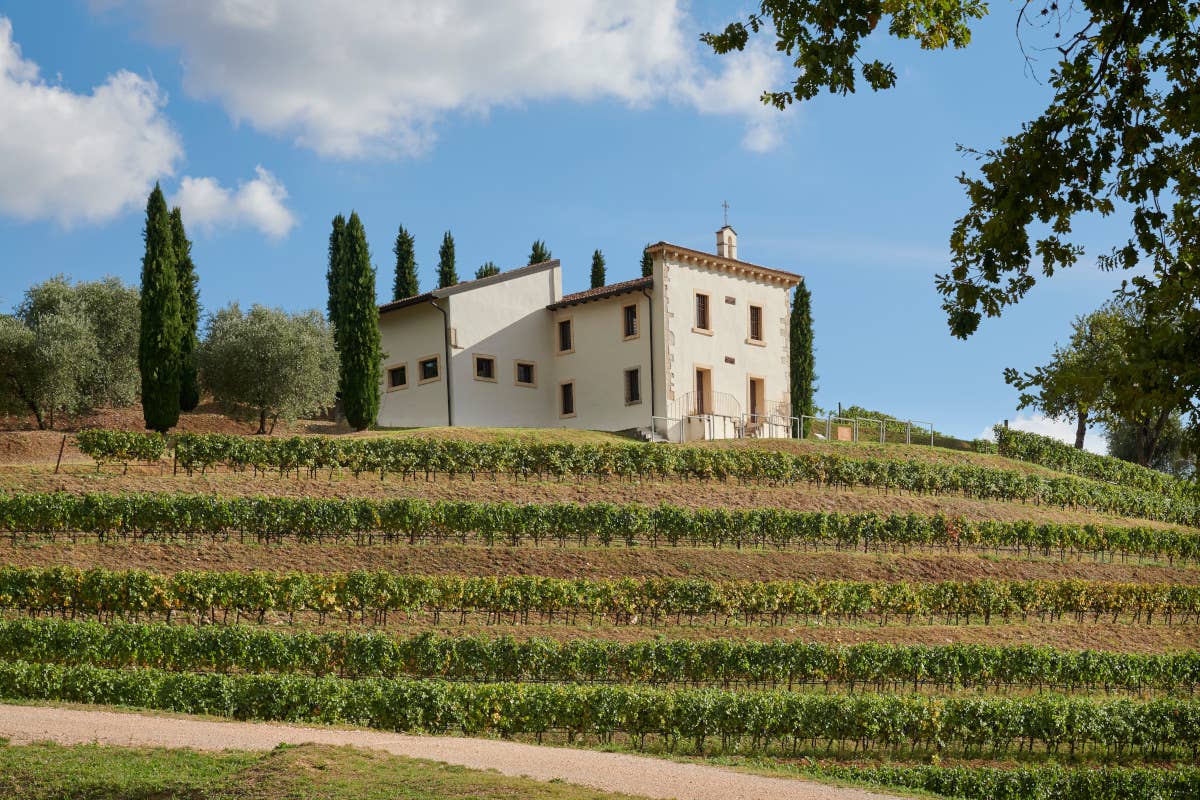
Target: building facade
x,y
696,350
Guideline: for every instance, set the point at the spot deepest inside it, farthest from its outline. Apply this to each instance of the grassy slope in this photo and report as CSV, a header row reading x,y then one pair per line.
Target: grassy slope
x,y
44,771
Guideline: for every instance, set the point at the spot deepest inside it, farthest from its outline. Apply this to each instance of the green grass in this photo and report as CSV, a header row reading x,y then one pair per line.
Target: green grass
x,y
94,772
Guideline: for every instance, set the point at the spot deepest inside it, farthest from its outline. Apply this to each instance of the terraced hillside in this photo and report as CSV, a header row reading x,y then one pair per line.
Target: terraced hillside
x,y
954,622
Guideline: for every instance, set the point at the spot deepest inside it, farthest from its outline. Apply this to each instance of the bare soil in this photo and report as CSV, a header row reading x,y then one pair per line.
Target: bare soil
x,y
571,562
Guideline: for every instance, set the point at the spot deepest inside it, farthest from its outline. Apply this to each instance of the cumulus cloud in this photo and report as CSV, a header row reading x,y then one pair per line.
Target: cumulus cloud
x,y
258,203
78,157
374,77
1062,430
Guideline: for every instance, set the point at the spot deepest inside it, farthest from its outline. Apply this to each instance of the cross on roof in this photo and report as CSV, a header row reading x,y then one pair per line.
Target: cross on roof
x,y
725,205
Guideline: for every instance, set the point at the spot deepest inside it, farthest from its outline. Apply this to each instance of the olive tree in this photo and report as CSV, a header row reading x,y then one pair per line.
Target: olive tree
x,y
270,363
43,368
69,349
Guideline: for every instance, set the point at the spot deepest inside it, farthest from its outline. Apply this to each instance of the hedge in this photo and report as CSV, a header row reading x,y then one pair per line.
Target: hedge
x,y
726,663
211,595
412,456
752,721
165,517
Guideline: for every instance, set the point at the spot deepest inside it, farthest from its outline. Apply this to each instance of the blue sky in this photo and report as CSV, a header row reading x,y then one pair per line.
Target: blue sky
x,y
587,127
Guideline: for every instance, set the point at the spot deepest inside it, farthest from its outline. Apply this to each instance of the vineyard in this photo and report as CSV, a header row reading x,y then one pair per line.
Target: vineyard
x,y
654,632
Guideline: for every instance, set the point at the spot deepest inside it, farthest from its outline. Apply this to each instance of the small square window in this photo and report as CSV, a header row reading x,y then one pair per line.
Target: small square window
x,y
485,368
397,376
526,374
566,338
630,321
566,407
756,326
633,386
427,369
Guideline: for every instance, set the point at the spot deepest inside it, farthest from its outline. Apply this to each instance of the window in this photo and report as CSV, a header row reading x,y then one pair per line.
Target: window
x,y
702,320
428,369
485,368
756,328
630,321
633,386
397,377
566,339
526,374
566,399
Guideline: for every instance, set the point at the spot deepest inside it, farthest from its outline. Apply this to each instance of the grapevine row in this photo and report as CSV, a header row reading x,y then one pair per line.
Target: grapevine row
x,y
1042,783
520,599
723,662
1058,456
755,721
411,456
170,516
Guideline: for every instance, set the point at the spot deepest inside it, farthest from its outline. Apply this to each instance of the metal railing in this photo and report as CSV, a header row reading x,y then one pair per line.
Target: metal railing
x,y
834,428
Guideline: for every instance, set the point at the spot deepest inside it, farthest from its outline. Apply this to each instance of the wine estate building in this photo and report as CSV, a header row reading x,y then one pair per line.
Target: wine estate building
x,y
696,350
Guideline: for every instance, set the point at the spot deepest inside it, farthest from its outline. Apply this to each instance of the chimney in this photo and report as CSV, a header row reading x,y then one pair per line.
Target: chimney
x,y
727,243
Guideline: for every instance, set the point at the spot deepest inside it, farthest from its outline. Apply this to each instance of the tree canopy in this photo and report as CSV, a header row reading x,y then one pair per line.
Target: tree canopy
x,y
1107,374
598,270
357,334
539,253
189,313
486,270
1118,138
161,334
274,364
801,367
405,283
447,273
647,262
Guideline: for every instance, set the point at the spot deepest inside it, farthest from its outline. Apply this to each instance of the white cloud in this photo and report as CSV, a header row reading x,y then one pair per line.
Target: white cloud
x,y
258,203
78,157
1062,430
375,77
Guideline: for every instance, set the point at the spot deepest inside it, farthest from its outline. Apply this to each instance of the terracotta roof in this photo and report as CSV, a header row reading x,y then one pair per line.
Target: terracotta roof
x,y
405,302
601,292
728,264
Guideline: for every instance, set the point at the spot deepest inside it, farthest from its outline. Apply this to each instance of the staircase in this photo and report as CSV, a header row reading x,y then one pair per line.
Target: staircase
x,y
648,434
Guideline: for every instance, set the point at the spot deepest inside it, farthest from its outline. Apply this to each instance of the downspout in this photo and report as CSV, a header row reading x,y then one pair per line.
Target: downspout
x,y
650,337
449,372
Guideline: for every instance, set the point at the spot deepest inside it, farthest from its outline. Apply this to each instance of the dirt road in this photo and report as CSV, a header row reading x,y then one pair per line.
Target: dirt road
x,y
637,775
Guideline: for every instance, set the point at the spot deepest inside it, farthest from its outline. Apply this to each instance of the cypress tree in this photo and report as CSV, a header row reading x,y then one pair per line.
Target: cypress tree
x,y
406,284
647,262
539,253
803,379
162,326
598,279
447,275
487,270
334,278
358,339
189,313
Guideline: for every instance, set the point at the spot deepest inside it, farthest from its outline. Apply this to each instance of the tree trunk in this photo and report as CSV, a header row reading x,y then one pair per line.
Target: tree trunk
x,y
1081,428
262,421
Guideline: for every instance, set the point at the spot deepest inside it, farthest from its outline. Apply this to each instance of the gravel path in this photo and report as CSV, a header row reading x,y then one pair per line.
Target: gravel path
x,y
638,775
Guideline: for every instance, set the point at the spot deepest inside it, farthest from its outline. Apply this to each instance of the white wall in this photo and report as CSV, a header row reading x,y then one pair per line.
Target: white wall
x,y
598,365
507,320
409,334
687,349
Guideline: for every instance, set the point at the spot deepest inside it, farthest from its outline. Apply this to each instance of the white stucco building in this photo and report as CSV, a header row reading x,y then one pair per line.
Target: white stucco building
x,y
699,349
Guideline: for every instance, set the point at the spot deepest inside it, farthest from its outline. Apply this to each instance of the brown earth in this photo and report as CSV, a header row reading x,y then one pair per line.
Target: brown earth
x,y
77,478
572,562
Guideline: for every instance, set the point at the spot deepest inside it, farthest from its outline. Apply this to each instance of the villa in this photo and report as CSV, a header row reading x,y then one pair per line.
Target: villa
x,y
696,350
